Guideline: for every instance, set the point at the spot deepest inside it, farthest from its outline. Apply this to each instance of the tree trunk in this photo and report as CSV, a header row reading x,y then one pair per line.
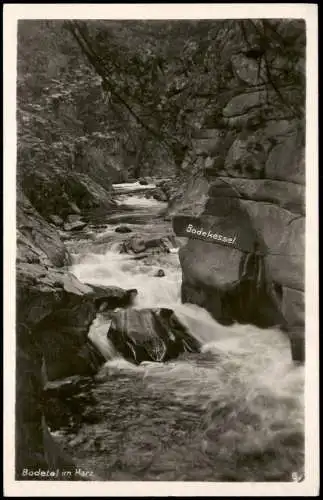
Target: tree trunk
x,y
139,155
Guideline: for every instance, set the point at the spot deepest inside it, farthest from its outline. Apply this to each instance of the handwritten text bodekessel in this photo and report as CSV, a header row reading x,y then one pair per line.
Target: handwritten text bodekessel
x,y
207,234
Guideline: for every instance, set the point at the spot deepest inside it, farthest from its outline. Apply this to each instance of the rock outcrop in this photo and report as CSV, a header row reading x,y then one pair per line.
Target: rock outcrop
x,y
233,211
246,176
61,193
137,245
37,241
75,226
54,314
123,229
267,210
150,335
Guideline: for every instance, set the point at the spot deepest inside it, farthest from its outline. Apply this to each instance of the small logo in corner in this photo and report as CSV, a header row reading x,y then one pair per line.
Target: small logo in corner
x,y
297,477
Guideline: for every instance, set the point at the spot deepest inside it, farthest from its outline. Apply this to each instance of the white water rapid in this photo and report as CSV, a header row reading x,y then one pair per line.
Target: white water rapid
x,y
244,392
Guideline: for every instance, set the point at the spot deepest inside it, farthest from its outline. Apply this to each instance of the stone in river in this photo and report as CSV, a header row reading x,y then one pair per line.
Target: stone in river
x,y
159,195
123,229
143,182
135,245
160,273
74,226
150,335
56,219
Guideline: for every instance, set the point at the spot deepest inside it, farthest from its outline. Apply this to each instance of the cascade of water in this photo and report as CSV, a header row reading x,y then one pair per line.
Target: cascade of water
x,y
115,269
243,390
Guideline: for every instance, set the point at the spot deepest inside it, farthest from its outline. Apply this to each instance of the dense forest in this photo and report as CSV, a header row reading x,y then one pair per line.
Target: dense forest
x,y
134,95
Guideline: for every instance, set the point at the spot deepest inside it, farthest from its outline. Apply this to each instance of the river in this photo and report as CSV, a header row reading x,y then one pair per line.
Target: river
x,y
233,412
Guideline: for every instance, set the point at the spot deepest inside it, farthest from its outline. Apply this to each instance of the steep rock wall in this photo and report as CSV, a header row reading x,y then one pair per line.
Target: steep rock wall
x,y
248,177
54,311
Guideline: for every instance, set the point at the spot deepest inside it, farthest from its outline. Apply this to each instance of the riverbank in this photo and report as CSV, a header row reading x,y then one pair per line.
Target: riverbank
x,y
209,415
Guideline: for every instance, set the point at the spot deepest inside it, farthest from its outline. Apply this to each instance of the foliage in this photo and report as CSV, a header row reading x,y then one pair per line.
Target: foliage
x,y
142,89
61,109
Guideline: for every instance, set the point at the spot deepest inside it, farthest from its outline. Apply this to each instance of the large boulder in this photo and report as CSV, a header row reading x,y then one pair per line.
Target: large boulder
x,y
252,189
54,314
235,210
63,338
37,241
58,310
137,245
228,281
150,335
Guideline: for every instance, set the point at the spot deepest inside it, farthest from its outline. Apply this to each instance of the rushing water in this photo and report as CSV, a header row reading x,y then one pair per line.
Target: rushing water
x,y
234,412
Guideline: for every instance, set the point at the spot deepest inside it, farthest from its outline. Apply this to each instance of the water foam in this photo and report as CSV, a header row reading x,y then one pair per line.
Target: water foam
x,y
244,381
125,187
140,202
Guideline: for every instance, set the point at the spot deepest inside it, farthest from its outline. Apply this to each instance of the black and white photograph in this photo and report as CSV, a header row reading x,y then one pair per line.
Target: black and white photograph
x,y
163,332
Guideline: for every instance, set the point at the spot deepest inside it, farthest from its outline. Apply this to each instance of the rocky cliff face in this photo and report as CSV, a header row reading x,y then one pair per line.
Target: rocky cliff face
x,y
54,314
250,179
59,178
62,192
